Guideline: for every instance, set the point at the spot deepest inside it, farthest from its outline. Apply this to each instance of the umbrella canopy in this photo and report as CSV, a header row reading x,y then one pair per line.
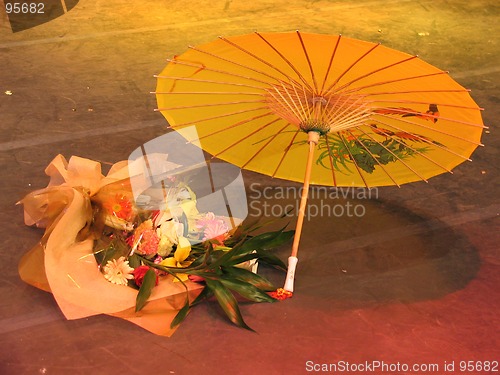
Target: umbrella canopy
x,y
375,116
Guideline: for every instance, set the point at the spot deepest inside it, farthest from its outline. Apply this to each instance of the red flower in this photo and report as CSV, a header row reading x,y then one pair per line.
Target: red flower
x,y
196,278
281,294
139,274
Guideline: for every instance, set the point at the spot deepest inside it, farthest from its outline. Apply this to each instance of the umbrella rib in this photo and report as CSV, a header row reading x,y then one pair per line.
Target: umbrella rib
x,y
418,152
304,113
426,127
402,111
376,71
218,116
204,68
381,83
330,157
258,59
285,100
289,63
265,145
428,141
393,154
286,152
352,66
351,123
246,121
241,65
205,93
353,160
209,105
245,137
308,62
416,92
373,157
209,81
330,63
335,113
427,103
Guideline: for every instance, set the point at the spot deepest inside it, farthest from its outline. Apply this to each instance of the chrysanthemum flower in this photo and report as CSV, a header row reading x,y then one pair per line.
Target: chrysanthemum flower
x,y
146,239
118,271
214,228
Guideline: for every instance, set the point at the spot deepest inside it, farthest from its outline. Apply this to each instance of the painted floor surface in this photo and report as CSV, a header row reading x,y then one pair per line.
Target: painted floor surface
x,y
413,281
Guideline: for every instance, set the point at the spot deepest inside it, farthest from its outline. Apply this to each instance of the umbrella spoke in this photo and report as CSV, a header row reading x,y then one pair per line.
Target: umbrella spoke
x,y
425,127
206,93
381,83
352,159
289,63
264,146
309,63
416,92
218,116
207,69
429,141
330,157
246,137
351,66
209,81
406,112
242,65
281,106
347,112
373,156
395,138
243,122
330,63
393,154
426,103
286,152
376,71
210,105
258,59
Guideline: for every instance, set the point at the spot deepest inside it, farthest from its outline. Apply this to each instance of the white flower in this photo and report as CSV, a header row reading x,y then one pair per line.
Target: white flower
x,y
118,271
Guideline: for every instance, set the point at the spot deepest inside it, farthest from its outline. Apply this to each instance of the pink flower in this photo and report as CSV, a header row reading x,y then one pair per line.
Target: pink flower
x,y
146,239
214,228
139,274
217,231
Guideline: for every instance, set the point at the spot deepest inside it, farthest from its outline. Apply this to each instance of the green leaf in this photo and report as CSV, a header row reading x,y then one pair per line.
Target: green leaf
x,y
247,290
181,315
241,259
227,302
145,290
134,261
271,259
249,277
279,240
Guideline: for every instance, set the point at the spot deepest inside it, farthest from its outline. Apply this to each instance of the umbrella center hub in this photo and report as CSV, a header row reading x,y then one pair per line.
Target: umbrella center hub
x,y
316,122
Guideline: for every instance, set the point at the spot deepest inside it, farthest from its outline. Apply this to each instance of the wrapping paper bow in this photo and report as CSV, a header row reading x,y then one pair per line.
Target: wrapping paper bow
x,y
63,262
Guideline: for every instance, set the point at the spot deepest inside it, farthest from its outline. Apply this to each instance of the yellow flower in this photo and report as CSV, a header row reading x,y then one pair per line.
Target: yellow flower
x,y
179,259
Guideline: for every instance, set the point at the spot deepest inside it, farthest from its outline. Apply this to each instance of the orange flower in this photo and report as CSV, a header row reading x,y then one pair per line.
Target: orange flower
x,y
119,206
281,294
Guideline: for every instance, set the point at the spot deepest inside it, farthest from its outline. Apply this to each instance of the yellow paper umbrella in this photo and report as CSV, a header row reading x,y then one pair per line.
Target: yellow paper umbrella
x,y
319,109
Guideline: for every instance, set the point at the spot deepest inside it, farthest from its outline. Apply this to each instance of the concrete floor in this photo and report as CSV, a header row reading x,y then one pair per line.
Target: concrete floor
x,y
415,280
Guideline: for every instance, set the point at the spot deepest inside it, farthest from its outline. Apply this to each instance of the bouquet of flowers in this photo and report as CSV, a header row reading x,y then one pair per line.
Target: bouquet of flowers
x,y
108,251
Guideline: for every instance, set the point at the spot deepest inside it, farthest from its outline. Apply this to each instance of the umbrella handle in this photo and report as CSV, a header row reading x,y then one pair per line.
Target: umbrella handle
x,y
290,274
313,138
